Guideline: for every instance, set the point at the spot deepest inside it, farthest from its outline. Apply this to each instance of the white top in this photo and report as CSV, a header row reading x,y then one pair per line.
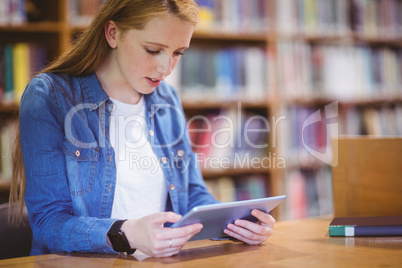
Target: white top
x,y
140,185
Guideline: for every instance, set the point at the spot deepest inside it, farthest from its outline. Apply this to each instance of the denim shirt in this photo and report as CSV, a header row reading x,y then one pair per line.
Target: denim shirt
x,y
70,167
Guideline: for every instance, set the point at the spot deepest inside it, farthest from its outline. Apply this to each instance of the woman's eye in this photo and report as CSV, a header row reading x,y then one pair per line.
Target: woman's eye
x,y
179,53
153,52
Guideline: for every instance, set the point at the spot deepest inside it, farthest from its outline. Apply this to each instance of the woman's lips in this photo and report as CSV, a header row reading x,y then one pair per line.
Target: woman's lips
x,y
153,82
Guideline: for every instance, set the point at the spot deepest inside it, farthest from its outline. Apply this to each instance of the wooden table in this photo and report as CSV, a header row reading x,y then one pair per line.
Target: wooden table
x,y
303,243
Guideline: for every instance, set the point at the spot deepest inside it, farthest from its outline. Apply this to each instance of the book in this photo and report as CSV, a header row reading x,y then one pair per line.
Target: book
x,y
82,12
309,193
21,69
233,16
7,135
366,226
19,63
226,189
296,190
2,72
223,74
237,188
8,73
13,12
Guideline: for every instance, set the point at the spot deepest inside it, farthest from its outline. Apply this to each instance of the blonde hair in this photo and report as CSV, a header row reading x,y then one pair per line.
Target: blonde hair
x,y
90,51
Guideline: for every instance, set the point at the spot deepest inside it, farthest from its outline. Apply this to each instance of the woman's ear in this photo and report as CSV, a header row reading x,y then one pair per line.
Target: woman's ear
x,y
111,33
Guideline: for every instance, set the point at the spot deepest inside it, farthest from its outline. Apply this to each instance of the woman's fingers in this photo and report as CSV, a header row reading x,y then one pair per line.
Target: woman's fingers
x,y
149,235
265,218
184,232
250,232
249,238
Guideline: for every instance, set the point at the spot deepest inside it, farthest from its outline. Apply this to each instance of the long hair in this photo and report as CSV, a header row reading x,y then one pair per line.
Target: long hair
x,y
87,55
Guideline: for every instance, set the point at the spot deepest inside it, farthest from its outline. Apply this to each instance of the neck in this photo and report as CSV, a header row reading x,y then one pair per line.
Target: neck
x,y
115,85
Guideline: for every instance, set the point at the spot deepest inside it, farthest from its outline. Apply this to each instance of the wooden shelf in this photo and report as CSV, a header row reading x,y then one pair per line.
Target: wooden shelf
x,y
212,173
230,36
5,185
349,37
389,41
37,27
9,107
374,101
196,105
312,38
310,164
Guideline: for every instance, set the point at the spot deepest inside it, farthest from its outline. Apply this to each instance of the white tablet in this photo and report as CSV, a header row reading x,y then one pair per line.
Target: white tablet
x,y
216,217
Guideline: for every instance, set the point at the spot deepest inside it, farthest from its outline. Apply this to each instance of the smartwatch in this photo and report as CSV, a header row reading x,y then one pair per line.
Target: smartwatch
x,y
118,238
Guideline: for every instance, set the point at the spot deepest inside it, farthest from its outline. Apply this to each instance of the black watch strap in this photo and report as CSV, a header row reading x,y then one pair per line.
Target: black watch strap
x,y
118,238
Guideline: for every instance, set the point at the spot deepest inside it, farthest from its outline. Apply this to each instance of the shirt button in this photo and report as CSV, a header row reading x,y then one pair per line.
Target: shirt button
x,y
180,153
151,133
77,153
164,160
172,187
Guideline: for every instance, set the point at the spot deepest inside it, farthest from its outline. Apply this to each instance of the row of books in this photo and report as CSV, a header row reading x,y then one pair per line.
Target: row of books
x,y
305,133
227,189
342,72
249,16
83,11
309,193
376,121
313,17
7,136
230,73
13,12
377,18
229,138
371,18
18,64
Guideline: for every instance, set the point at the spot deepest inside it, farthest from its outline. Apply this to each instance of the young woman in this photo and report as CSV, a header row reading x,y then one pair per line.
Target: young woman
x,y
105,147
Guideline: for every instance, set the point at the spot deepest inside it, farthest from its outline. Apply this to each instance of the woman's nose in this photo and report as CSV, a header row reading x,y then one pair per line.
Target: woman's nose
x,y
165,66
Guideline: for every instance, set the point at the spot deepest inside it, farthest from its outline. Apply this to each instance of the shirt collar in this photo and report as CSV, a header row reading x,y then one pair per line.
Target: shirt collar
x,y
93,91
96,95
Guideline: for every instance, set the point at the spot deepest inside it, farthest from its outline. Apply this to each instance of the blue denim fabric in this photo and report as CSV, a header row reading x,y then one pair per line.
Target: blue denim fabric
x,y
70,167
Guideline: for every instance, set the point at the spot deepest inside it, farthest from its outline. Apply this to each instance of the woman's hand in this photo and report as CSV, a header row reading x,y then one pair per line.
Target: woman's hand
x,y
149,236
252,233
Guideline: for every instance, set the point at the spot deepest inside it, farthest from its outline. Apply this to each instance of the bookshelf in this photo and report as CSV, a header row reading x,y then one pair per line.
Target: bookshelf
x,y
314,54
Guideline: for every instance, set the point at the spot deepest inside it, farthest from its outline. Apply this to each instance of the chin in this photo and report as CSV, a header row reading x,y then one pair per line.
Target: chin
x,y
148,90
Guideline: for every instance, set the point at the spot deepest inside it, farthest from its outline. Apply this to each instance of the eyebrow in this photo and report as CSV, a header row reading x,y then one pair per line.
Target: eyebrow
x,y
162,45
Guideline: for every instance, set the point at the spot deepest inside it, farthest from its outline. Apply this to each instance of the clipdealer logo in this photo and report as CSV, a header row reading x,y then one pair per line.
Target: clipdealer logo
x,y
330,156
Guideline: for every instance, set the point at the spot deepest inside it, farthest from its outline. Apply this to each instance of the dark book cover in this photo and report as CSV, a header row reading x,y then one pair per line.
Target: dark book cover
x,y
2,72
366,226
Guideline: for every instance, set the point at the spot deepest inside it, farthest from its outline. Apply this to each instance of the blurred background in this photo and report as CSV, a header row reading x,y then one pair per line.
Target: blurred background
x,y
265,86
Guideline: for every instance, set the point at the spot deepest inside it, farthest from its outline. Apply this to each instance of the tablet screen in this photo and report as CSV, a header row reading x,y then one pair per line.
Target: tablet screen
x,y
216,217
